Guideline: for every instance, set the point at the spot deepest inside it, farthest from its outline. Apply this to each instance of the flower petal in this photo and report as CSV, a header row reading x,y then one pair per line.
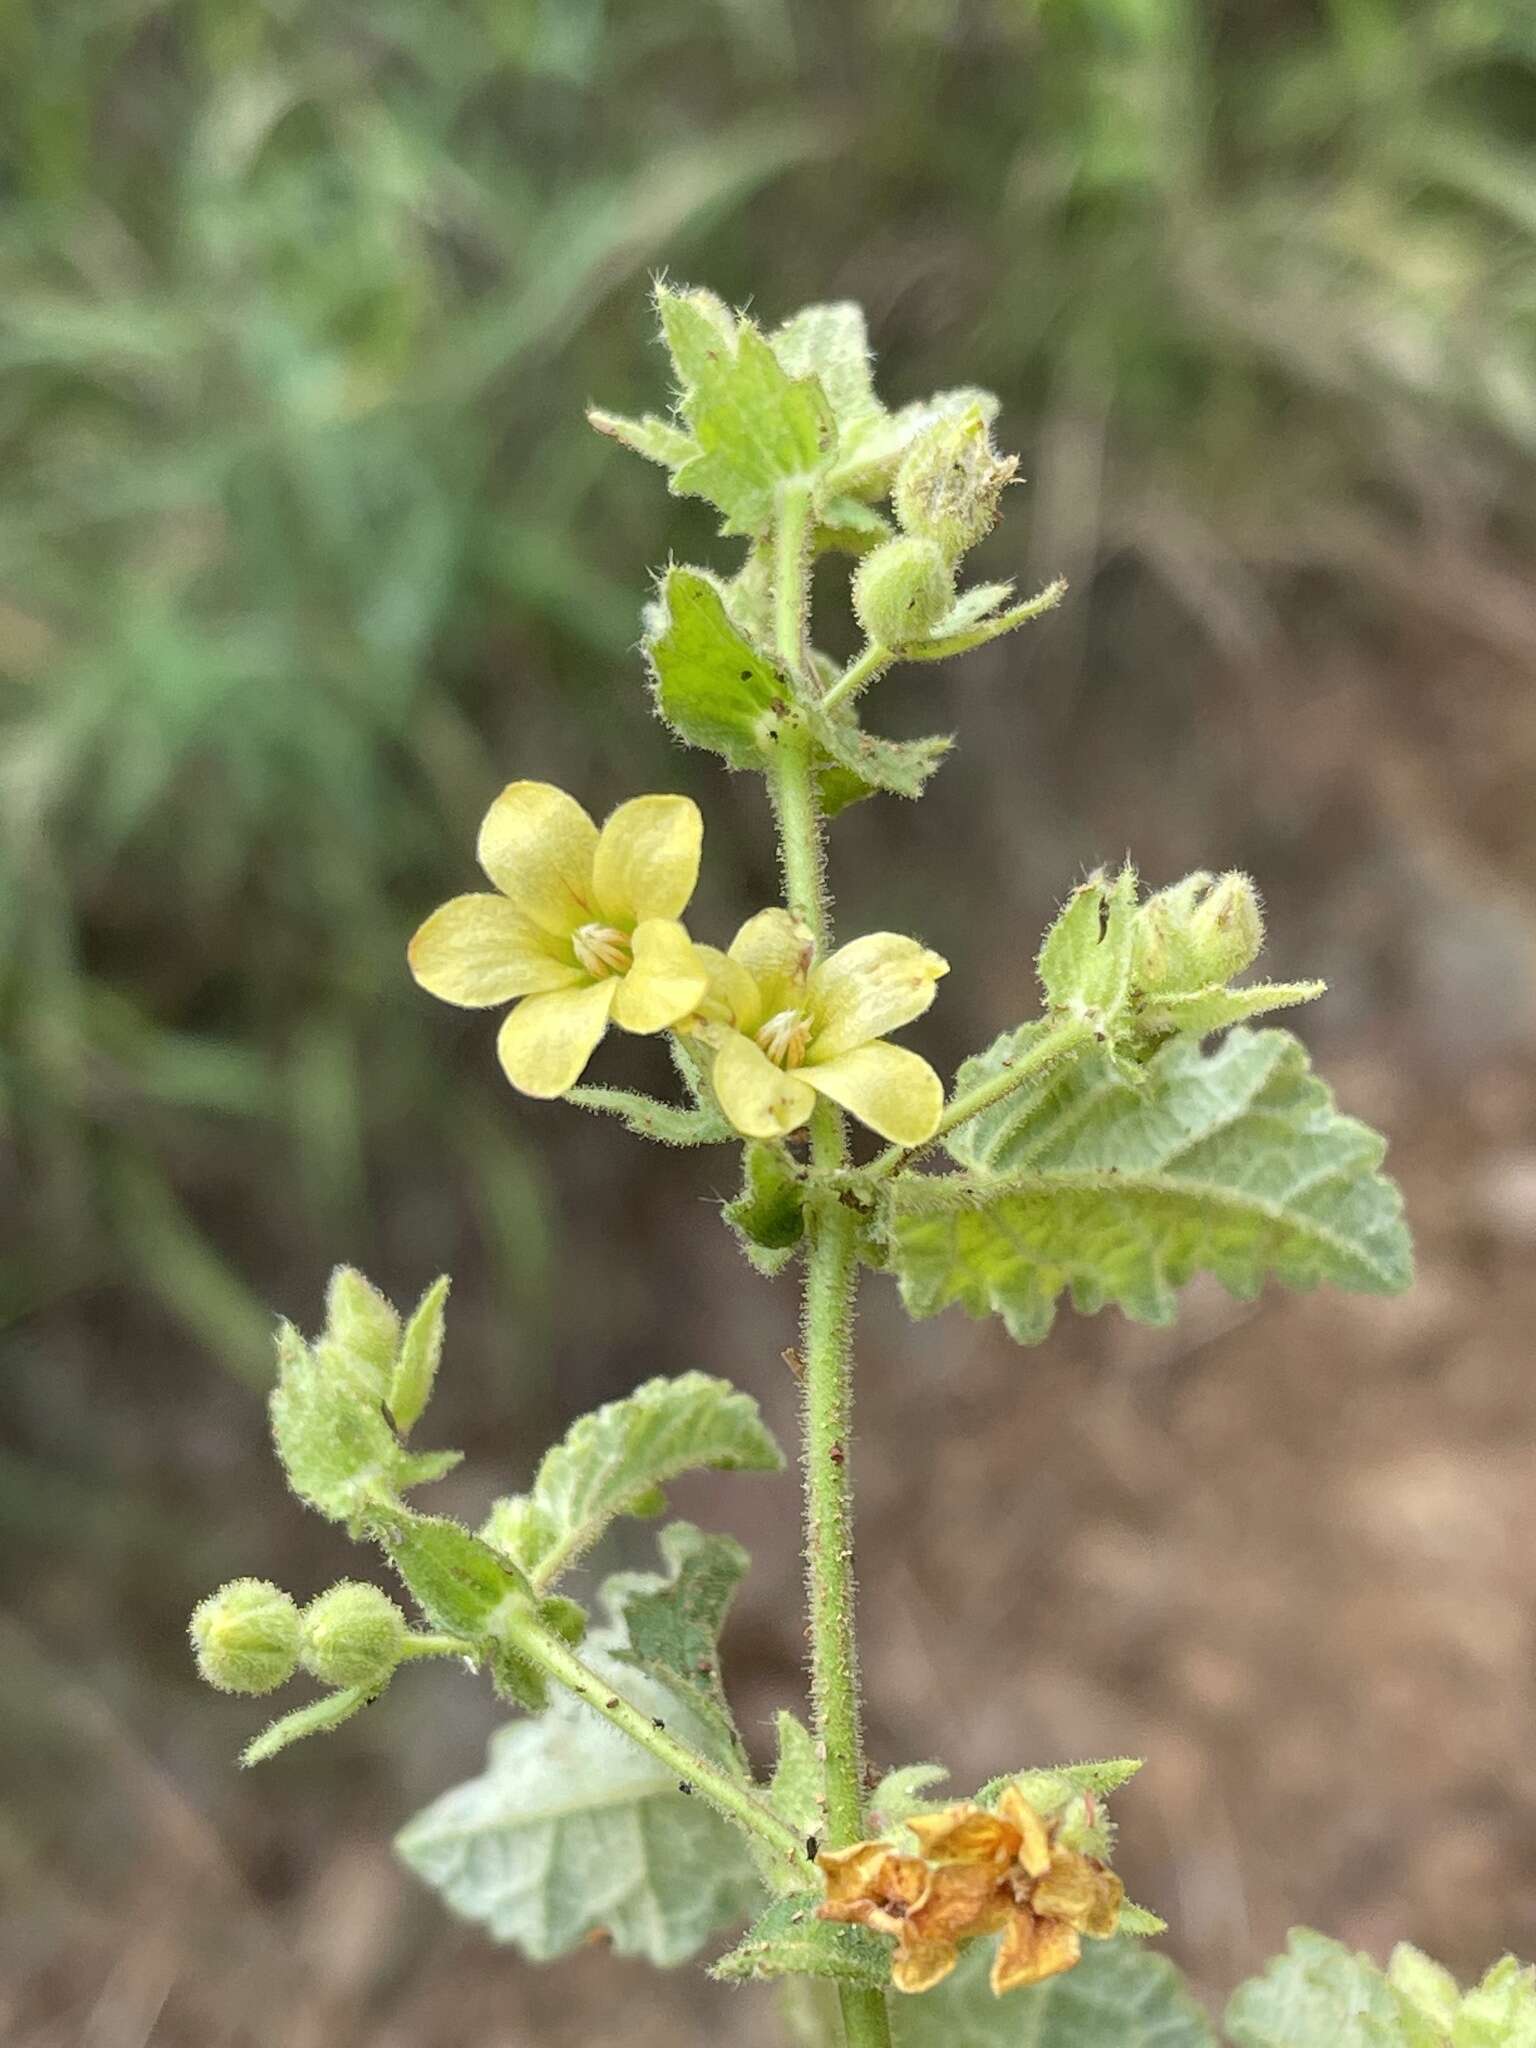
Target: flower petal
x,y
1033,1854
479,950
760,1099
667,980
547,1040
919,1965
892,1090
1080,1891
1032,1949
962,1899
851,1873
648,858
875,985
776,950
731,999
537,845
965,1834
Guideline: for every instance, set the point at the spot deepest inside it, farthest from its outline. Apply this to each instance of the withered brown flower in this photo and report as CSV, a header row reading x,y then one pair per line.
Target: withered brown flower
x,y
978,1873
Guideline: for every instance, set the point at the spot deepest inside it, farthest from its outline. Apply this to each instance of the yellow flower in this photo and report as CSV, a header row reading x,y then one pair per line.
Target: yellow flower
x,y
585,928
785,1032
977,1873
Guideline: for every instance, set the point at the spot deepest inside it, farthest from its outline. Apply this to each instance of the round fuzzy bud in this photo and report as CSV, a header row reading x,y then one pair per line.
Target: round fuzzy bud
x,y
246,1637
353,1635
901,590
950,481
1226,930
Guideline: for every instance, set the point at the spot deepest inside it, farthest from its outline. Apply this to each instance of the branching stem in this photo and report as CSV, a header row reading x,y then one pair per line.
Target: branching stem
x,y
1066,1037
858,675
729,1796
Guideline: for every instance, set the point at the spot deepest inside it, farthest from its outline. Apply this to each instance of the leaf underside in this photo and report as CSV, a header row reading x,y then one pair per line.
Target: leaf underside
x,y
1119,1996
571,1829
1320,1995
1232,1162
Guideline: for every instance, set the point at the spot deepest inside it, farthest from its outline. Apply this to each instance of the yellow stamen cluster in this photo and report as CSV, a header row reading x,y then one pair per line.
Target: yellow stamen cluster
x,y
602,949
784,1038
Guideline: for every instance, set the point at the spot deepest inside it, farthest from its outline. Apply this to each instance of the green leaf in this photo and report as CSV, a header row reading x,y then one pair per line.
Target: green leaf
x,y
656,439
459,1583
672,1624
1205,1010
1319,1995
339,1452
756,427
900,766
1232,1162
666,1122
572,1828
1119,1996
421,1350
319,1718
831,344
1140,1921
847,526
1426,1984
1501,2011
769,1213
1085,961
711,685
611,1460
794,1790
362,1326
789,1941
900,1793
973,622
1048,1790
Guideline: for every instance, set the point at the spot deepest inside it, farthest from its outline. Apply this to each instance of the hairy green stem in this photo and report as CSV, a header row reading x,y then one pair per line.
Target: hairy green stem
x,y
437,1646
1064,1038
832,1268
859,674
791,581
795,809
736,1801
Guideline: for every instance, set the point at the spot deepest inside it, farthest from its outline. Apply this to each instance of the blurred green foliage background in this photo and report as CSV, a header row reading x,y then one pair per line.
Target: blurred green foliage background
x,y
305,548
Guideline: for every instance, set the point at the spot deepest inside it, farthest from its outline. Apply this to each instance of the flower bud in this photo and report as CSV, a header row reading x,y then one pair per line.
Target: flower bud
x,y
949,483
353,1635
246,1637
1163,957
1227,928
362,1326
901,590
